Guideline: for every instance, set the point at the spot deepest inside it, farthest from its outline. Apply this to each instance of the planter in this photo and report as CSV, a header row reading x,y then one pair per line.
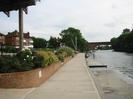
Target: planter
x,y
29,79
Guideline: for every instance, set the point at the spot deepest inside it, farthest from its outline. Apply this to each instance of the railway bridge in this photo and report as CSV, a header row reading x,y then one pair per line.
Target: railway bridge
x,y
93,45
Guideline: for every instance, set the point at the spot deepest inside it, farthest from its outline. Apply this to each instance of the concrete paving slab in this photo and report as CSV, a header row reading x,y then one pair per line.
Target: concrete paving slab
x,y
15,93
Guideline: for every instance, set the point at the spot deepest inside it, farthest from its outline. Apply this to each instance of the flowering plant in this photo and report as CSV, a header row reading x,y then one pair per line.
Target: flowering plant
x,y
25,56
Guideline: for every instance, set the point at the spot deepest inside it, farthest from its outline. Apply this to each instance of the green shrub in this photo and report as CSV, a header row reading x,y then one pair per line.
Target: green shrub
x,y
45,49
26,60
4,66
8,64
23,61
9,49
25,56
60,57
48,57
38,61
66,51
49,49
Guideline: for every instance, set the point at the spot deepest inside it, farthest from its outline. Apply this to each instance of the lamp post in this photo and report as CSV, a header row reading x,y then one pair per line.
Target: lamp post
x,y
21,29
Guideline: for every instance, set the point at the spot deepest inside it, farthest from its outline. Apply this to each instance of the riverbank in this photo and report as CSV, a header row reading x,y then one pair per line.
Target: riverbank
x,y
111,84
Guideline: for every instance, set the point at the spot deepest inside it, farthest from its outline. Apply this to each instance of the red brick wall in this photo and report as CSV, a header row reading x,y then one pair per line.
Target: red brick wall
x,y
12,41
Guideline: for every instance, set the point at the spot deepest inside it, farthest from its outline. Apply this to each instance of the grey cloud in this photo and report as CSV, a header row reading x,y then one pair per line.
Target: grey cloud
x,y
96,18
110,25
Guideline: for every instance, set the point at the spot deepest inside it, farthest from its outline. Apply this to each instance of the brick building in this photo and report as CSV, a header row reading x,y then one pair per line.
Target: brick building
x,y
12,39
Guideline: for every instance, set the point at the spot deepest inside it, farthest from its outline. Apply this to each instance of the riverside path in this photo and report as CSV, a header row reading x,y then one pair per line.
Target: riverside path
x,y
72,81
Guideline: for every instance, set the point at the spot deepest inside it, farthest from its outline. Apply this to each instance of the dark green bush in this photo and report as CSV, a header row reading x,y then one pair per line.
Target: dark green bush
x,y
38,61
3,64
8,64
9,49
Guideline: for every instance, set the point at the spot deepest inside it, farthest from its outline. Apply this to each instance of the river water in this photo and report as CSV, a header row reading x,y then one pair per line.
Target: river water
x,y
120,61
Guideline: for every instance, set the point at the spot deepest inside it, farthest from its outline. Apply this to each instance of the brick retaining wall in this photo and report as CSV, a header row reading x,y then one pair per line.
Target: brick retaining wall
x,y
29,79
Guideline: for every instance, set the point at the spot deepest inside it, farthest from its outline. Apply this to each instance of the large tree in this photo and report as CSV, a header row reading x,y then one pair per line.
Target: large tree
x,y
54,42
124,42
39,42
73,38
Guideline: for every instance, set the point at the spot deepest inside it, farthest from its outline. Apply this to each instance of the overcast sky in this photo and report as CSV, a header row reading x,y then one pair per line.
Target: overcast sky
x,y
98,20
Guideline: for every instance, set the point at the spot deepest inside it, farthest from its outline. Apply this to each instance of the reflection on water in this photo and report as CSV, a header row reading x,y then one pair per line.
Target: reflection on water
x,y
116,60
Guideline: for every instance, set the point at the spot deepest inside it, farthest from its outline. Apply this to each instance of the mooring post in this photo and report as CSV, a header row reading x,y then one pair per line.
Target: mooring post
x,y
21,29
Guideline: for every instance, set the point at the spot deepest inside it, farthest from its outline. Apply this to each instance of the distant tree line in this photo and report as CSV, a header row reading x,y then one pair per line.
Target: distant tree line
x,y
124,42
70,37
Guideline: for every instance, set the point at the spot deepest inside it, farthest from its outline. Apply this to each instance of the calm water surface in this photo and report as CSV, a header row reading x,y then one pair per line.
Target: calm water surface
x,y
117,60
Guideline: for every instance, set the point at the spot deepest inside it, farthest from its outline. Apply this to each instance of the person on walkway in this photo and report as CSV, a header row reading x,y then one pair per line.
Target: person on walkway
x,y
93,54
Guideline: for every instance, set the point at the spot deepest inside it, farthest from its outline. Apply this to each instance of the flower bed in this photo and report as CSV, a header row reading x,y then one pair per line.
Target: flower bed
x,y
29,69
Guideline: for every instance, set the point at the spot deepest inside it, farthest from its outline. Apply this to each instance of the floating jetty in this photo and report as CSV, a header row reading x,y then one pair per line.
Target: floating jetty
x,y
97,66
94,64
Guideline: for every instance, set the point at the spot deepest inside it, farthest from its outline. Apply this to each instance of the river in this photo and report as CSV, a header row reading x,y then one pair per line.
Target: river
x,y
120,61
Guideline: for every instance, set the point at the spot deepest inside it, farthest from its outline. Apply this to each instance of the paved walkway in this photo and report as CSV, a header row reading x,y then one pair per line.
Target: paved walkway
x,y
72,81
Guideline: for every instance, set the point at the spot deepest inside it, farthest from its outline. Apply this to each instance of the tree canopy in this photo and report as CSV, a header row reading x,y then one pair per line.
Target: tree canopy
x,y
124,42
54,42
39,42
73,38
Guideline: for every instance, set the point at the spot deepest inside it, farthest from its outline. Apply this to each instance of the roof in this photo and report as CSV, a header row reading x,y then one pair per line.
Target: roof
x,y
16,34
9,5
2,34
